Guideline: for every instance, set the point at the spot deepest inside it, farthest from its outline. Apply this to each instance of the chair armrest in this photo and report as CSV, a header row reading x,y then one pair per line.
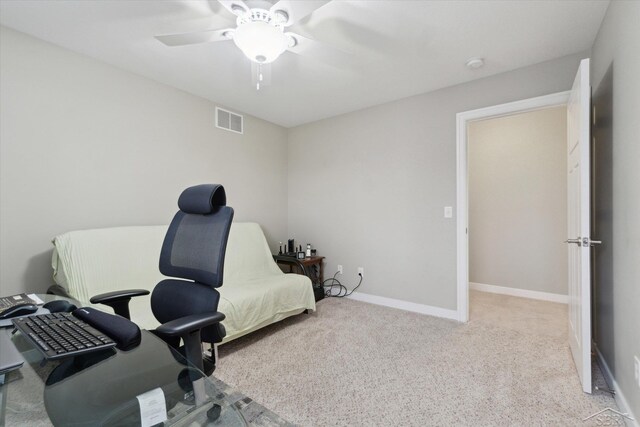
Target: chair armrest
x,y
58,290
118,300
187,324
108,297
188,328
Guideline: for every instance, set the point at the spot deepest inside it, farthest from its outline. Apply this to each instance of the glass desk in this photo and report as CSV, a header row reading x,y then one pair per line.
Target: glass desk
x,y
102,388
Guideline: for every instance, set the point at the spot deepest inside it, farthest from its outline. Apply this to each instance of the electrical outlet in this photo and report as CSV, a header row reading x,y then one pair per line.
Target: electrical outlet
x,y
448,212
339,269
636,366
361,271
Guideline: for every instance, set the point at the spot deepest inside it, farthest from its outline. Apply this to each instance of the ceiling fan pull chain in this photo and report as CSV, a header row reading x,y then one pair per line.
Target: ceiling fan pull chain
x,y
259,76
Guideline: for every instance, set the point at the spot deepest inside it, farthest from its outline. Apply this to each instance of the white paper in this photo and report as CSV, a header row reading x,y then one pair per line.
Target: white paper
x,y
153,409
35,298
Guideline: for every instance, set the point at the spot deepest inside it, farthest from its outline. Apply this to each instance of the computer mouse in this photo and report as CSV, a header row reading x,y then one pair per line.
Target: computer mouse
x,y
19,310
59,306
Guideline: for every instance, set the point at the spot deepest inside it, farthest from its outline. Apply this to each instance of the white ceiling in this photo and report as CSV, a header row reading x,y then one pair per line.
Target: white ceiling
x,y
397,48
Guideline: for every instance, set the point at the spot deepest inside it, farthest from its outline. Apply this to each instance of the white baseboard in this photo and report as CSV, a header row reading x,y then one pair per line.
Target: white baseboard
x,y
406,305
523,293
619,396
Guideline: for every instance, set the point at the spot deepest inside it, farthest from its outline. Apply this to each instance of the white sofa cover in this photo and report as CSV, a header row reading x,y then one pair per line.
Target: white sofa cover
x,y
255,292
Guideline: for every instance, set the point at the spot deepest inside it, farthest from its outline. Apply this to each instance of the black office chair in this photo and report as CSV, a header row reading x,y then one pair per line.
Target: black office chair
x,y
193,255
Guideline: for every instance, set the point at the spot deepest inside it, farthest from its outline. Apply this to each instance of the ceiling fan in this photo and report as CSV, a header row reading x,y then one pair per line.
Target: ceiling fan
x,y
260,32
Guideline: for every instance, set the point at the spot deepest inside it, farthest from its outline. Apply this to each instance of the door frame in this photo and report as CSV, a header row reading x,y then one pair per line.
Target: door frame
x,y
462,178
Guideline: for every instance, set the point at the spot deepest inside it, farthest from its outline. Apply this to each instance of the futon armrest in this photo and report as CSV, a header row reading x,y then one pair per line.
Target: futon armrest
x,y
119,300
58,290
194,322
283,259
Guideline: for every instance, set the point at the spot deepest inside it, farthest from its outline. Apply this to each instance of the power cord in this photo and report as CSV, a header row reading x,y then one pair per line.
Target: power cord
x,y
342,289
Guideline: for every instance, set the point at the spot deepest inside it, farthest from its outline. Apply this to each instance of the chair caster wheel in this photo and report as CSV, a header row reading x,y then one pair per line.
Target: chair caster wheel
x,y
214,413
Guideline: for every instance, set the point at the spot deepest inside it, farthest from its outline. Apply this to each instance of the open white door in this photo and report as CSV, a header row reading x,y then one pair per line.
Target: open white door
x,y
578,137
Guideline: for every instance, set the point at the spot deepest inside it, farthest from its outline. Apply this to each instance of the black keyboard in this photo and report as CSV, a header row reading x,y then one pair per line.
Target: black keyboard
x,y
61,335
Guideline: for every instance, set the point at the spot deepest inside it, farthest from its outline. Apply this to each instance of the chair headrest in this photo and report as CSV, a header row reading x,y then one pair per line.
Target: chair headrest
x,y
202,199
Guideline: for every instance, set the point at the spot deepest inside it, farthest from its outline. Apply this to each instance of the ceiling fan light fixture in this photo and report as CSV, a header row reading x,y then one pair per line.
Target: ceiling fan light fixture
x,y
293,42
280,17
238,9
260,42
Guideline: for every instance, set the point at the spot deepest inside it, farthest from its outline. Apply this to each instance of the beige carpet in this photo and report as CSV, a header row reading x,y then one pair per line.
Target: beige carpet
x,y
357,364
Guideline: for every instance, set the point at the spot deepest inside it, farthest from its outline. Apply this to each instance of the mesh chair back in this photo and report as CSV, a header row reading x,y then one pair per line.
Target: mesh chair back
x,y
196,241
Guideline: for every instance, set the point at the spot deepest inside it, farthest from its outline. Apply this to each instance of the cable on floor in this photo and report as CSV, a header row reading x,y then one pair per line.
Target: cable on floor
x,y
342,290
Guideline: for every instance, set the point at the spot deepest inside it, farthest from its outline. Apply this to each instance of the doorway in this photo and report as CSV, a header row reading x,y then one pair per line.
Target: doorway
x,y
518,205
463,122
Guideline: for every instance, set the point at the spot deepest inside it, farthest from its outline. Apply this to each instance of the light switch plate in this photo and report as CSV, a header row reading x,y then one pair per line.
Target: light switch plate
x,y
636,369
448,212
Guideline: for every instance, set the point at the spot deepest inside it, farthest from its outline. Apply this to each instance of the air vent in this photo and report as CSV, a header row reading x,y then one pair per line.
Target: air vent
x,y
228,120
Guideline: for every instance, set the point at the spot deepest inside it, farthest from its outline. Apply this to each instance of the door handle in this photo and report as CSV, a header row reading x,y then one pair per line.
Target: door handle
x,y
588,242
577,241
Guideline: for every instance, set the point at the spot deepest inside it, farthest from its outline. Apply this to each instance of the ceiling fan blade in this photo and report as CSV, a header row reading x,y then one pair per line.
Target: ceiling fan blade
x,y
237,7
194,38
296,9
318,50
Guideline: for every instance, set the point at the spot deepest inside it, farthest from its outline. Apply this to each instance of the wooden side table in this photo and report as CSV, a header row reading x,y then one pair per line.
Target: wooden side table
x,y
312,267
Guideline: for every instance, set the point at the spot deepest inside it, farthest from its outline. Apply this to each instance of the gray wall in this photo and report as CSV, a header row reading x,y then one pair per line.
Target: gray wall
x,y
518,201
86,145
617,51
368,188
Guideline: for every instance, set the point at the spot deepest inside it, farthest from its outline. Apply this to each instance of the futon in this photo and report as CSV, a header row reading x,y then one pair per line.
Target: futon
x,y
255,292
